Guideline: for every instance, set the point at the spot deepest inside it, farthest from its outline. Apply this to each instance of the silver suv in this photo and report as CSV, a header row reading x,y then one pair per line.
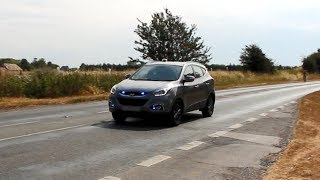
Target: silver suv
x,y
164,88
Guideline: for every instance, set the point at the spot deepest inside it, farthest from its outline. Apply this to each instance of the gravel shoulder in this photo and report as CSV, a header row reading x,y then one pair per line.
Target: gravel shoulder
x,y
301,159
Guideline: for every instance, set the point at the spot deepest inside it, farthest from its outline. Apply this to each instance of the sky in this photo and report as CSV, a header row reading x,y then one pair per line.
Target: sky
x,y
71,32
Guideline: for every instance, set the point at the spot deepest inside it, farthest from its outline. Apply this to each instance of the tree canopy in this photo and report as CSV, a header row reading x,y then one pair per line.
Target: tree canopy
x,y
253,59
168,37
311,63
26,66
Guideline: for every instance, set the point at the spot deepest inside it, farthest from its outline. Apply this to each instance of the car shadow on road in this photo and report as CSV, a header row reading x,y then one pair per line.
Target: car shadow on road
x,y
150,124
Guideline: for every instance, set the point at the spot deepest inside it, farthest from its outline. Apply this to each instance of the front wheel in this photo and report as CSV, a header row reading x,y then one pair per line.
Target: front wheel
x,y
176,114
119,118
208,110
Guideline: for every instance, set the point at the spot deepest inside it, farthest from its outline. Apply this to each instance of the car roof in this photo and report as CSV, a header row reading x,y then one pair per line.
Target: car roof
x,y
175,63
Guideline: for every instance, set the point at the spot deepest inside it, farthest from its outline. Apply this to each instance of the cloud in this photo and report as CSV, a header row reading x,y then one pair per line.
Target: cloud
x,y
102,29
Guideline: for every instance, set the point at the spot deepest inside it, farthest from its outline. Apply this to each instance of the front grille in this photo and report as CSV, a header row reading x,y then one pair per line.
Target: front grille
x,y
133,93
132,102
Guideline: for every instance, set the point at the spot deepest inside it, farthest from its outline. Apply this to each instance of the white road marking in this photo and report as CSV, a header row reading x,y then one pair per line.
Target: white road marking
x,y
154,160
218,134
293,102
43,132
16,124
273,110
287,104
263,114
101,112
109,178
235,126
266,140
280,107
190,145
251,119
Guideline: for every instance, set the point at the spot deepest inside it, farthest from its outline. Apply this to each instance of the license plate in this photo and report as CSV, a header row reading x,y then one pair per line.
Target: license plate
x,y
131,108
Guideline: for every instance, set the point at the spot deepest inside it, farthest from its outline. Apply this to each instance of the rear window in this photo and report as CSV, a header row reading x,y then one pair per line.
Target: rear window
x,y
204,70
198,71
188,71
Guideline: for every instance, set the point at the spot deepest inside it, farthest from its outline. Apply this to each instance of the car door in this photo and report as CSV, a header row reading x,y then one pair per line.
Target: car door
x,y
189,90
201,94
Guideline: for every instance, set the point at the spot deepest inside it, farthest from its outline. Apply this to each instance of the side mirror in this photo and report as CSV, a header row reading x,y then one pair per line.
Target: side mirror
x,y
128,76
188,78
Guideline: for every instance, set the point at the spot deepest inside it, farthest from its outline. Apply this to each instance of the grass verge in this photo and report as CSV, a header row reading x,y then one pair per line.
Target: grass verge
x,y
16,103
7,103
227,79
301,159
47,88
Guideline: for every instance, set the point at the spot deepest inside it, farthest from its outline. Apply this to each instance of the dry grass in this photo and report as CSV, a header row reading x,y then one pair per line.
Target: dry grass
x,y
129,71
224,80
312,77
228,79
301,160
10,73
16,103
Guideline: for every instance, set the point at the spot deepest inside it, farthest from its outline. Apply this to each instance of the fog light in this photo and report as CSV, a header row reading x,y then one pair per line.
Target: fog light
x,y
157,107
111,104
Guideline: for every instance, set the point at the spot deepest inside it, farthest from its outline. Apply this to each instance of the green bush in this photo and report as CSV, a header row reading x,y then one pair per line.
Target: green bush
x,y
12,86
51,84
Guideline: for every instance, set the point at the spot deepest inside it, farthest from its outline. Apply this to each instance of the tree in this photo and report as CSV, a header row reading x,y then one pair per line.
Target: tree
x,y
167,37
311,63
25,65
64,68
253,59
134,62
39,64
9,60
51,65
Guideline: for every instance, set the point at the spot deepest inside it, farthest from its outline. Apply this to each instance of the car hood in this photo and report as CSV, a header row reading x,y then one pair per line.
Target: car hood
x,y
148,86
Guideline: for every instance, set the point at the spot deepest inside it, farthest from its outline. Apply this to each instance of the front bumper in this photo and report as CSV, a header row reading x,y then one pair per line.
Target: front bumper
x,y
152,105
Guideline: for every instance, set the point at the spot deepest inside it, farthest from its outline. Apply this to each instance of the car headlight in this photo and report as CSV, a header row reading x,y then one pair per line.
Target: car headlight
x,y
161,92
113,89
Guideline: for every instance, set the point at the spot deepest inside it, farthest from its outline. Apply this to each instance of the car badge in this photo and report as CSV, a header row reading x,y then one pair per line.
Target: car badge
x,y
131,94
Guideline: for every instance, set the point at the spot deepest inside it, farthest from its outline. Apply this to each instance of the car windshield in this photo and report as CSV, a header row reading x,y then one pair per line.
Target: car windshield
x,y
157,73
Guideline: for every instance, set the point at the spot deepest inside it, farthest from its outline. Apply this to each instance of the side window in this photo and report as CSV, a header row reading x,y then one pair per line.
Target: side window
x,y
188,71
204,70
198,71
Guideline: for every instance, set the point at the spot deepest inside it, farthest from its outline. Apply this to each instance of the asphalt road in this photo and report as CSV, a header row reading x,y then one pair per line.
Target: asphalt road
x,y
81,141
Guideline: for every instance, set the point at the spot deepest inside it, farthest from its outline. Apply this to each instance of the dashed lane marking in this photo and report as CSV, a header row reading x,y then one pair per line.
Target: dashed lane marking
x,y
263,114
251,119
266,140
16,124
280,107
293,102
218,134
110,178
190,145
274,110
101,112
287,104
43,132
154,160
235,126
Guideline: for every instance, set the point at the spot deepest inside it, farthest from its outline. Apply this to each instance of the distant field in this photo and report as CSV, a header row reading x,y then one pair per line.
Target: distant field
x,y
227,79
93,85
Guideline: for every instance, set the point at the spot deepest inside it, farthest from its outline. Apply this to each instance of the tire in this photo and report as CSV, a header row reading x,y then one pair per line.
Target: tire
x,y
208,110
119,118
176,113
